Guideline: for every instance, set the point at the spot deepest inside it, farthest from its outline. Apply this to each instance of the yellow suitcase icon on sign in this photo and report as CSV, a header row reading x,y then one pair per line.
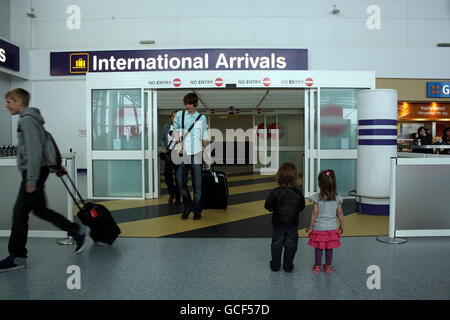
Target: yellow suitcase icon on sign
x,y
79,62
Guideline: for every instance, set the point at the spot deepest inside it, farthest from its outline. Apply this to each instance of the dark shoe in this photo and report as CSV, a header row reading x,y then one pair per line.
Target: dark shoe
x,y
274,268
288,269
177,200
197,216
80,240
185,215
12,263
171,198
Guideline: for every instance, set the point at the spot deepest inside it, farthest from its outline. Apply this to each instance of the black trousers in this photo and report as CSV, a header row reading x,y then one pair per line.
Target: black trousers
x,y
36,202
287,238
170,170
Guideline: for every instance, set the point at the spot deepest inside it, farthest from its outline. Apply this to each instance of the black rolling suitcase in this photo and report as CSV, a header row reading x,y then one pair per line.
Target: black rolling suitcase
x,y
102,226
214,189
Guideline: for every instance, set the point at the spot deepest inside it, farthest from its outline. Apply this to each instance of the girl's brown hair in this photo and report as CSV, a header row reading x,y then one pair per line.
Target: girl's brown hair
x,y
287,175
327,185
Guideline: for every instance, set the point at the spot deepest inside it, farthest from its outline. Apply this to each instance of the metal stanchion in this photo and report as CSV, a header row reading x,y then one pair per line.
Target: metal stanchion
x,y
70,168
391,237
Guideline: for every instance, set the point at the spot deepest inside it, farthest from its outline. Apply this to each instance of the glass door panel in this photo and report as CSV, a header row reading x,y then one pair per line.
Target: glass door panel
x,y
115,167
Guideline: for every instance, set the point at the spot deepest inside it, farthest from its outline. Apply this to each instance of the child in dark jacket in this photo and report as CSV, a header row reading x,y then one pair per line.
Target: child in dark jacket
x,y
285,202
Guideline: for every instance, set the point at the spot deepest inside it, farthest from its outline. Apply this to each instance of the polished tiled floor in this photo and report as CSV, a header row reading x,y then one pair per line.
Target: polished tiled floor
x,y
228,268
225,255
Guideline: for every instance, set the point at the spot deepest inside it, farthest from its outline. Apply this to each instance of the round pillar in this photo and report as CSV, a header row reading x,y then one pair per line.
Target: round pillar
x,y
377,143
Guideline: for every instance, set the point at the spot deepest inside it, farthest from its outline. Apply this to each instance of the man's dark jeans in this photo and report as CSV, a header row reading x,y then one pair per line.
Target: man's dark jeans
x,y
36,202
286,237
182,177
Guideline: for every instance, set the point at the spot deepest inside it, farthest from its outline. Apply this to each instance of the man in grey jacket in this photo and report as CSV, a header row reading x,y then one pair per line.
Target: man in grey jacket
x,y
31,197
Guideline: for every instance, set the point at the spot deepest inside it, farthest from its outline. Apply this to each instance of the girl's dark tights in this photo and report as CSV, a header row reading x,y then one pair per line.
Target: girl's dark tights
x,y
328,256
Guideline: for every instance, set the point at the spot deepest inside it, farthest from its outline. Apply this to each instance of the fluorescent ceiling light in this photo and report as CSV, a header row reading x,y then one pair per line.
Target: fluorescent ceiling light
x,y
147,42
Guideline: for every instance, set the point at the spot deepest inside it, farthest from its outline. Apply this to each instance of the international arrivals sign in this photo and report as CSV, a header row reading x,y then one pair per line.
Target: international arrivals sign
x,y
78,63
9,56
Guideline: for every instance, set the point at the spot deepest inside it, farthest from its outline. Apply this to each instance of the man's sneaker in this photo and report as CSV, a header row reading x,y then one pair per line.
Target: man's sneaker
x,y
80,240
12,263
185,215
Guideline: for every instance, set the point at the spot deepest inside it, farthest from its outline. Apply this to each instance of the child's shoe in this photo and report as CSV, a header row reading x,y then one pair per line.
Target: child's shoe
x,y
316,269
327,268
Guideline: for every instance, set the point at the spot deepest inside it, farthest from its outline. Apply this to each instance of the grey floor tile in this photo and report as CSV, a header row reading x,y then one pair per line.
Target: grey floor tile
x,y
228,268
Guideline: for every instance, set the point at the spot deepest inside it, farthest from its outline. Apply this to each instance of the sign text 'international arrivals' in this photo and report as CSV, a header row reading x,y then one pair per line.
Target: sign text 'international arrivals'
x,y
69,63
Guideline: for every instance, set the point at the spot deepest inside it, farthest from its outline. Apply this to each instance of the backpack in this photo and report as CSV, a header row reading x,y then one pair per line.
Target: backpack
x,y
51,153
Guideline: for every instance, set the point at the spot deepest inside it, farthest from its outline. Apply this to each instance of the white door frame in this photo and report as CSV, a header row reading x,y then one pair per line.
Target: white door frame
x,y
236,79
151,154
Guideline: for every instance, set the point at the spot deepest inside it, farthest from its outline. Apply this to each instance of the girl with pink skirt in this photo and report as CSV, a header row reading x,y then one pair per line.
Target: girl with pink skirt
x,y
324,233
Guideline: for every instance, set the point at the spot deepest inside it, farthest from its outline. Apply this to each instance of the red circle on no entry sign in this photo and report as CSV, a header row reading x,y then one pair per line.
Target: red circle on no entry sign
x,y
177,82
309,82
219,82
266,82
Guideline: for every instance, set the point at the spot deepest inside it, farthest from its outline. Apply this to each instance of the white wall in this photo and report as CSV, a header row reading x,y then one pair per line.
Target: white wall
x,y
405,46
4,19
63,106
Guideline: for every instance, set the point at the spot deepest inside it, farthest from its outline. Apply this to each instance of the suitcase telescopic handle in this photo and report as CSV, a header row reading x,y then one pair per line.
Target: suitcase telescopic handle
x,y
70,192
210,167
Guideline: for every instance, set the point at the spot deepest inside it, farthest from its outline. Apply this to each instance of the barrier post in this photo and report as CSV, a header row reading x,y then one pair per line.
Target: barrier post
x,y
70,168
391,237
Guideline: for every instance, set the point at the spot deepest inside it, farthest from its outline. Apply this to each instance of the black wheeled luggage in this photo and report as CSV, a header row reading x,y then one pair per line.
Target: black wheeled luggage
x,y
97,217
214,189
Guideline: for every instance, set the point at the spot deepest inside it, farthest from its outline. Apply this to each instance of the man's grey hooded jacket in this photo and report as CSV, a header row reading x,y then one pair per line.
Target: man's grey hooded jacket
x,y
31,136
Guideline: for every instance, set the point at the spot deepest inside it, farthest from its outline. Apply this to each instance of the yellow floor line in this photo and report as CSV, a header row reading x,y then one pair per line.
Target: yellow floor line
x,y
163,226
356,224
128,204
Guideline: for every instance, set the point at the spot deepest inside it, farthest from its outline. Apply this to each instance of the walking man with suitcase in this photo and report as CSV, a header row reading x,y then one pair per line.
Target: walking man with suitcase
x,y
190,143
31,196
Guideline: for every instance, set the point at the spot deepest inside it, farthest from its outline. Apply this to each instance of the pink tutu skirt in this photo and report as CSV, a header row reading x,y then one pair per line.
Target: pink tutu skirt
x,y
328,239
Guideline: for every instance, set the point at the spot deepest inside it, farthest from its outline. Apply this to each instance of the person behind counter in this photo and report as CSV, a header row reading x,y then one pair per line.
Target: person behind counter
x,y
446,140
423,139
429,134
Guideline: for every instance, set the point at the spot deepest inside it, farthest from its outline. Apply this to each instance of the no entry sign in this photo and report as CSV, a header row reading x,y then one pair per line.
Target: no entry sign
x,y
177,82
